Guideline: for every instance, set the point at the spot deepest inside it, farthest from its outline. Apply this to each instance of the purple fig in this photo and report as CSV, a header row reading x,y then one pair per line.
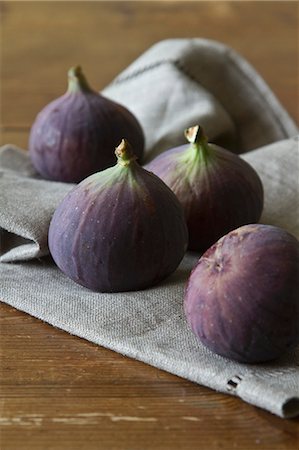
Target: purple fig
x,y
217,189
242,298
120,229
76,134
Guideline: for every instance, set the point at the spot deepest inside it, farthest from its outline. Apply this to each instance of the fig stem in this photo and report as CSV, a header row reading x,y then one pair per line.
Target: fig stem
x,y
124,153
198,140
77,81
195,135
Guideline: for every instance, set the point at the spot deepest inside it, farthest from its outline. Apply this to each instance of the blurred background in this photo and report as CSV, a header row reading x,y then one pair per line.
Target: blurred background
x,y
41,40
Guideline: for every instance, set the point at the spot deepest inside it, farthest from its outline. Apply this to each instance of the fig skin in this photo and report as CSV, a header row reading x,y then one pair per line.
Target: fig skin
x,y
217,189
241,299
76,134
121,229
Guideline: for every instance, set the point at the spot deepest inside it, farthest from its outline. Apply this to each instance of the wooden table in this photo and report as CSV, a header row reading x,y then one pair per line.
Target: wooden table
x,y
59,391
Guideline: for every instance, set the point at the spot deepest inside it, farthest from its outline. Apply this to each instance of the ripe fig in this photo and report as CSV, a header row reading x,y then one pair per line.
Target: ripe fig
x,y
75,135
242,299
120,229
217,189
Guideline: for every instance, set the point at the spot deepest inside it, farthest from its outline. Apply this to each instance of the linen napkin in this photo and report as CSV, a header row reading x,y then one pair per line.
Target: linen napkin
x,y
175,84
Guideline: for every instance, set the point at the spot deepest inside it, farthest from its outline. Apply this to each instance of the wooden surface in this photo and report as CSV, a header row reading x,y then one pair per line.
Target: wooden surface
x,y
59,391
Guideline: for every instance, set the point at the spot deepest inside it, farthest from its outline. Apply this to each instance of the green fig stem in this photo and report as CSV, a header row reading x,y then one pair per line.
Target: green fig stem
x,y
124,153
199,142
77,81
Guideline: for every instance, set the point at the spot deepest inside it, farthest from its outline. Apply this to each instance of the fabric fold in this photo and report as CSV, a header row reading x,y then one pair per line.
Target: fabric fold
x,y
27,204
213,84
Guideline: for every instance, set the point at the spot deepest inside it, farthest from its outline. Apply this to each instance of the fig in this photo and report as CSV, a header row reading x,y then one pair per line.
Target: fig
x,y
76,134
241,299
217,189
120,229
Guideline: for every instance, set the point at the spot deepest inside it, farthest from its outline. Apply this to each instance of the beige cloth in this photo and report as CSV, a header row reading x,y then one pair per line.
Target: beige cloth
x,y
177,83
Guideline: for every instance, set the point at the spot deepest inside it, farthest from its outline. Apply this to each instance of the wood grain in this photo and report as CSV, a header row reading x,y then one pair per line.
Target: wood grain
x,y
61,392
41,40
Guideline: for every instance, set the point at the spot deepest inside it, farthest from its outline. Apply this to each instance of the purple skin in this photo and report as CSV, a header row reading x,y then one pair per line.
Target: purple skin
x,y
76,134
217,189
121,229
242,300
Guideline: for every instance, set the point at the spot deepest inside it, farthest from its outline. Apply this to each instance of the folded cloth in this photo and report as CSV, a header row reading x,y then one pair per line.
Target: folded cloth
x,y
27,204
175,84
180,82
